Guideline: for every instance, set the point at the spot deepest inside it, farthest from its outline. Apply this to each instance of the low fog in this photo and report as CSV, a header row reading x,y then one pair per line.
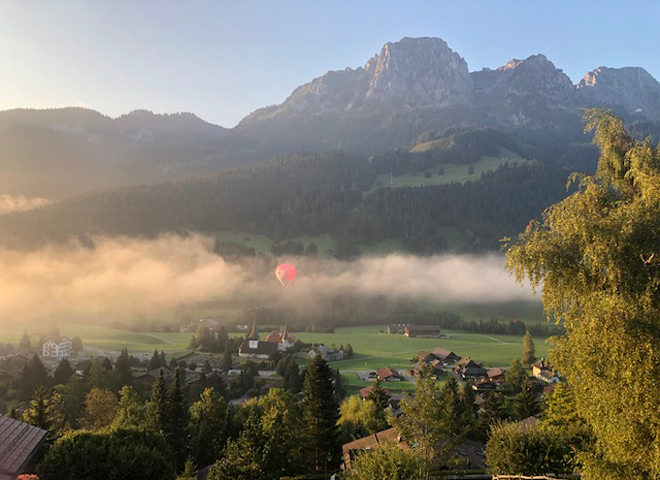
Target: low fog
x,y
20,203
122,278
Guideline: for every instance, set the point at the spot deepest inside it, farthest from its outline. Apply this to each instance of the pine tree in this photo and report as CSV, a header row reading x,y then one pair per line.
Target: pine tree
x,y
379,396
221,339
56,415
123,369
494,412
226,363
157,408
63,372
25,343
525,403
163,360
208,427
348,351
176,431
528,351
206,369
321,415
154,362
515,376
34,376
129,413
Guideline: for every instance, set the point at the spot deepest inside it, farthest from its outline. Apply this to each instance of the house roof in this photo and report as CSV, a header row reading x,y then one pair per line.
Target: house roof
x,y
371,441
19,442
530,422
495,372
443,353
364,392
254,335
423,328
263,348
384,372
58,339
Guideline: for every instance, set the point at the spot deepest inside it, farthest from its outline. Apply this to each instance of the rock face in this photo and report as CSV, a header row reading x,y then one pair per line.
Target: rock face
x,y
411,73
632,89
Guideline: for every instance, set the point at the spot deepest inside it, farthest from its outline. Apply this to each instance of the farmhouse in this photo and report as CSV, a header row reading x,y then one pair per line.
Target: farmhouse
x,y
447,357
350,450
252,347
326,353
468,368
396,328
58,347
386,374
366,391
543,371
19,444
423,331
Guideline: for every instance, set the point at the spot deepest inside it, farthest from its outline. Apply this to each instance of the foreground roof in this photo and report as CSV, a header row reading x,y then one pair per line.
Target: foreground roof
x,y
19,442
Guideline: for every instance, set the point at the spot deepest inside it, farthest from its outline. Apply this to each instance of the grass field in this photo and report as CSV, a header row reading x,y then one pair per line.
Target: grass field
x,y
457,173
374,350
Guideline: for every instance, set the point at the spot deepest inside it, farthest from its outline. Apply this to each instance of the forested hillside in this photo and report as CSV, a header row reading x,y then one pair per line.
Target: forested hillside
x,y
304,195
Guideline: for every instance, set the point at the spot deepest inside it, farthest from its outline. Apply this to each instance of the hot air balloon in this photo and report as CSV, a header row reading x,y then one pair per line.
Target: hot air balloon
x,y
285,273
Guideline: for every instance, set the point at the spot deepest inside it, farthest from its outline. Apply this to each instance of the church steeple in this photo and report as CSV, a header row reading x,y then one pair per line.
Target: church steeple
x,y
254,335
285,335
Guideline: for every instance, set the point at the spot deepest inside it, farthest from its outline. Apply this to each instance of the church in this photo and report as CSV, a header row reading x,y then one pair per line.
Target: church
x,y
252,347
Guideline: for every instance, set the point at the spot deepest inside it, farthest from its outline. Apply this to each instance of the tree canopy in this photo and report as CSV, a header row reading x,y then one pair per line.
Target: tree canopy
x,y
596,254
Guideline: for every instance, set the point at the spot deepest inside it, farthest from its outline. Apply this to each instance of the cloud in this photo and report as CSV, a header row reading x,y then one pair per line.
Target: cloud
x,y
19,203
127,278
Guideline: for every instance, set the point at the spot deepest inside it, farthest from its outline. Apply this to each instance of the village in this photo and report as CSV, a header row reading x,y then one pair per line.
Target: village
x,y
245,366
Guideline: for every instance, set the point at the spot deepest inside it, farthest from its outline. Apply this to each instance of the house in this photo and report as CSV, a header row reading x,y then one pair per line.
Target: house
x,y
6,349
468,368
543,371
366,391
396,328
419,366
59,347
447,357
386,374
351,449
423,331
149,377
327,353
283,339
19,444
484,385
252,347
496,375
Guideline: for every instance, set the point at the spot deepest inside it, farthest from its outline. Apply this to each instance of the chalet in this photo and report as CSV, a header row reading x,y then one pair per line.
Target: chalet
x,y
386,374
19,444
283,339
252,347
468,368
382,438
496,375
326,353
543,371
447,357
419,366
423,331
149,377
396,328
484,385
425,356
366,391
58,347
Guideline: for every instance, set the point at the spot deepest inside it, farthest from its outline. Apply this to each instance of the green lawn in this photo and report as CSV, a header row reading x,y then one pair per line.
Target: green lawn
x,y
374,350
457,173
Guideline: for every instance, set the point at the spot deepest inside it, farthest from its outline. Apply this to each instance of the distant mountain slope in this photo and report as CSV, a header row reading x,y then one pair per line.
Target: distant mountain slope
x,y
412,88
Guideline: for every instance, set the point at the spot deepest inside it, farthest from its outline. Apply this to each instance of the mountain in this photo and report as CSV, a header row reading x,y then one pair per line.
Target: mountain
x,y
412,89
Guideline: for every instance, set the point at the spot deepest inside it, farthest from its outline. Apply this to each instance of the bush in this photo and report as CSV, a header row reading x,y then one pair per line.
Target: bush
x,y
122,454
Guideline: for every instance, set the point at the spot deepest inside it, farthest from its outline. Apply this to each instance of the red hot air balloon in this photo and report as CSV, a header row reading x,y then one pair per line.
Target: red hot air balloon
x,y
285,273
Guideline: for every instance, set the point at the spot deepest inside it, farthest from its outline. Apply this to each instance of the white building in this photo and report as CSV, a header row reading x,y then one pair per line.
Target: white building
x,y
59,347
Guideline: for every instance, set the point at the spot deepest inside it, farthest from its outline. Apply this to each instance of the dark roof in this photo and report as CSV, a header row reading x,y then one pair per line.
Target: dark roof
x,y
423,328
254,335
364,392
18,443
263,348
443,353
385,436
384,372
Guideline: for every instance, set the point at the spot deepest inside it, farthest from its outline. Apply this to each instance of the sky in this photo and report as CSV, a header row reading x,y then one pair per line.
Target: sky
x,y
223,59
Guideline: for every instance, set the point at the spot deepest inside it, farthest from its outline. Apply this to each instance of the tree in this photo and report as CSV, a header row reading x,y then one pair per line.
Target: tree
x,y
25,343
205,338
359,418
515,376
321,415
35,413
526,403
122,454
190,472
493,413
34,376
379,396
157,407
129,414
63,372
269,444
528,349
596,255
74,393
100,376
100,409
513,449
561,407
154,362
386,462
349,350
208,427
176,431
123,369
221,339
56,415
226,362
76,344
